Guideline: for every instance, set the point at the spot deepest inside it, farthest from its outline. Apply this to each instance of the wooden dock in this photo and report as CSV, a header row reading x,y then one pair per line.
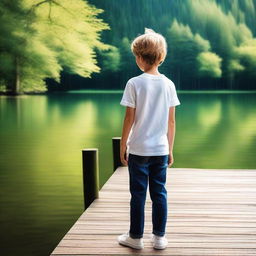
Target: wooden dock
x,y
210,212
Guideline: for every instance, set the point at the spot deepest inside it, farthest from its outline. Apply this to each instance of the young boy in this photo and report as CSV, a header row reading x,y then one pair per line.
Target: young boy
x,y
148,138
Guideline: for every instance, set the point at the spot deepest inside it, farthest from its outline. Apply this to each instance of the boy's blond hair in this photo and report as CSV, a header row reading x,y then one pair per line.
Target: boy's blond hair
x,y
151,46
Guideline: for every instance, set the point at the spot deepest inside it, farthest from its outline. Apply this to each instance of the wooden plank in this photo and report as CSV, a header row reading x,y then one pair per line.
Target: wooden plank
x,y
210,212
177,237
195,244
177,251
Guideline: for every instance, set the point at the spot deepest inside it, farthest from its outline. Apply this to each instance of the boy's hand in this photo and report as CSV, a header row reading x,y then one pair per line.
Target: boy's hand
x,y
170,159
123,155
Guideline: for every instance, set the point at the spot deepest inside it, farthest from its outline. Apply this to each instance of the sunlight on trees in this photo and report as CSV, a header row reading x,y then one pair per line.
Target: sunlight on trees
x,y
226,34
39,39
190,53
209,64
246,54
43,39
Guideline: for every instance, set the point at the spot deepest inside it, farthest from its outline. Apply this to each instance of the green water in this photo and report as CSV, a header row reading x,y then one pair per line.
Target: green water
x,y
41,141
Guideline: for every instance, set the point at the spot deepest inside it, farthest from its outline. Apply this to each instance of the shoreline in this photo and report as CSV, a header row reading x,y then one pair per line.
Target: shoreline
x,y
89,91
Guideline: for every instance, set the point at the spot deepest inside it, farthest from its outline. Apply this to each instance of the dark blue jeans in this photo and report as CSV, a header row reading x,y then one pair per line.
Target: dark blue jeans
x,y
144,170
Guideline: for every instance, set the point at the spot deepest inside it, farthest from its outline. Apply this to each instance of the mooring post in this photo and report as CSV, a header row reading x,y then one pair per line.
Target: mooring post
x,y
90,175
116,152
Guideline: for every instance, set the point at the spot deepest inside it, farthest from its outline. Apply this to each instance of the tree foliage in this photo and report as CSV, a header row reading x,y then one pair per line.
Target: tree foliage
x,y
209,64
39,39
213,35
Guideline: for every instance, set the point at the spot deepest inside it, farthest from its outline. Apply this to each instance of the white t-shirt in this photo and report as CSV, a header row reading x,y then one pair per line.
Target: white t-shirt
x,y
151,95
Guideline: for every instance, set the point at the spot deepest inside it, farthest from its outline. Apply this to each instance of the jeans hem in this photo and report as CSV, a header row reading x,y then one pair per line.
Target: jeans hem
x,y
158,233
135,236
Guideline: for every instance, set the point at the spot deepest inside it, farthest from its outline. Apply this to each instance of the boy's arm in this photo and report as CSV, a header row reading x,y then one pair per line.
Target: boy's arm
x,y
171,133
127,125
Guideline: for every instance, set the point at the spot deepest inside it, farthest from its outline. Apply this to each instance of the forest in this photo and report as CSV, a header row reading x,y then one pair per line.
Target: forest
x,y
64,45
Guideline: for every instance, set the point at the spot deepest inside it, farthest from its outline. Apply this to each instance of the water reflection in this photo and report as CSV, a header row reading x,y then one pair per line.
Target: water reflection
x,y
216,131
42,138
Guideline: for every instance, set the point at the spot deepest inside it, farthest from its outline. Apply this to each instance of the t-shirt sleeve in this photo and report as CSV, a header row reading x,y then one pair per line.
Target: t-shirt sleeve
x,y
173,99
129,96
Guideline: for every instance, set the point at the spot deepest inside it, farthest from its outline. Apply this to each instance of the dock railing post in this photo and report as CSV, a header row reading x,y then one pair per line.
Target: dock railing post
x,y
90,175
116,152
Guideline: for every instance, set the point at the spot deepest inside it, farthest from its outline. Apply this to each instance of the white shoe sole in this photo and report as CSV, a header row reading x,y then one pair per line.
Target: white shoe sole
x,y
159,247
131,245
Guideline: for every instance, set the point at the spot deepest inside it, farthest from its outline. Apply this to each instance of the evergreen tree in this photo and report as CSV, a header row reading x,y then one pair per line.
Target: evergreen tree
x,y
228,27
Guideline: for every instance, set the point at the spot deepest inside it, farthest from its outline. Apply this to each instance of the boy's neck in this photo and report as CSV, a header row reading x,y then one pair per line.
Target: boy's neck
x,y
152,71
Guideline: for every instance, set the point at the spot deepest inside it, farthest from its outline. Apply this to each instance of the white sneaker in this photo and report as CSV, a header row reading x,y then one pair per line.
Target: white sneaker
x,y
125,239
159,242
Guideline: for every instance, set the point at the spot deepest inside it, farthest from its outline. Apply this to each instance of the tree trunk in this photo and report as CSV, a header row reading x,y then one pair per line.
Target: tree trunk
x,y
13,84
17,76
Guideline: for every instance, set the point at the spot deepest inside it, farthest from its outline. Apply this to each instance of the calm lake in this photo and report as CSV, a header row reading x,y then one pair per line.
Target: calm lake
x,y
42,137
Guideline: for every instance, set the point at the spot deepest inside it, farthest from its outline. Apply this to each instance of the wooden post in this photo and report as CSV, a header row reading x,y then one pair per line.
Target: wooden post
x,y
116,152
90,175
